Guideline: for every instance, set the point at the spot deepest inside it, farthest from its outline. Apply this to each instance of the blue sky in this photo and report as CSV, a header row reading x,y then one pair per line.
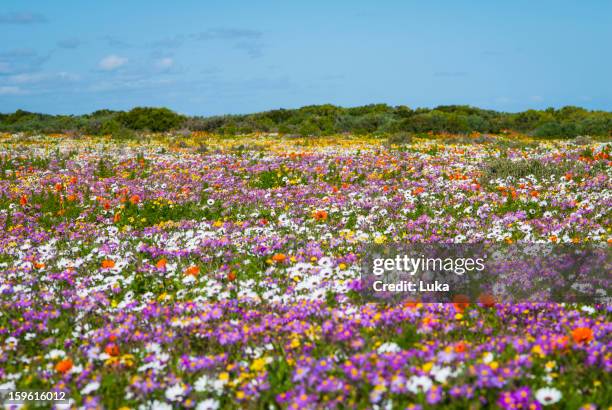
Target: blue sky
x,y
229,56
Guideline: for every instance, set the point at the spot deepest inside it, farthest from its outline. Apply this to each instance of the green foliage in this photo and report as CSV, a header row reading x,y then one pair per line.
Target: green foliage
x,y
400,138
151,119
327,119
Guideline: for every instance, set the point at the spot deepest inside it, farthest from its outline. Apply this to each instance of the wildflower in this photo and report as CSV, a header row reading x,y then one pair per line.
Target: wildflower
x,y
108,264
441,374
279,258
548,395
418,384
175,392
486,300
135,199
388,347
63,366
208,404
582,335
460,347
434,395
90,388
258,364
193,270
112,349
380,239
319,215
161,264
461,302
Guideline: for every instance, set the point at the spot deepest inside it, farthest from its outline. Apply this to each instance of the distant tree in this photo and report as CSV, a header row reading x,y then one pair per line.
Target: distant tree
x,y
151,119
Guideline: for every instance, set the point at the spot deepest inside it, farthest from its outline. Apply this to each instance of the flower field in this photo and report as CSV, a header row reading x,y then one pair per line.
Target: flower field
x,y
207,272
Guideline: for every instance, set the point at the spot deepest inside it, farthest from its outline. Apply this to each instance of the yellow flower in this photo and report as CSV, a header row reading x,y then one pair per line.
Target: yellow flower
x,y
537,349
380,239
258,364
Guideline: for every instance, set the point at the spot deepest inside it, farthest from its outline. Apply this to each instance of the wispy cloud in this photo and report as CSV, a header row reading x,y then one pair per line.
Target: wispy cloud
x,y
164,63
69,43
245,40
37,78
112,62
173,42
116,42
21,60
10,90
253,49
22,18
227,34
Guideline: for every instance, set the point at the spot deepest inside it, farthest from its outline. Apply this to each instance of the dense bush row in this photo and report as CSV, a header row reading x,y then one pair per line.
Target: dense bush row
x,y
325,120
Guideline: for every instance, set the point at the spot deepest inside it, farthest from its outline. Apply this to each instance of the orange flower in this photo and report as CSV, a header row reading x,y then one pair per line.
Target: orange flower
x,y
461,302
112,349
411,303
534,194
487,300
319,215
418,190
72,197
108,263
134,199
59,187
116,217
279,258
161,264
582,335
460,347
193,270
231,276
23,200
39,265
63,366
74,180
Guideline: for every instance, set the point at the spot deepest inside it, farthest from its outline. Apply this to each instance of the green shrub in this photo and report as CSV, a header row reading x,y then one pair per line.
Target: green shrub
x,y
151,119
400,138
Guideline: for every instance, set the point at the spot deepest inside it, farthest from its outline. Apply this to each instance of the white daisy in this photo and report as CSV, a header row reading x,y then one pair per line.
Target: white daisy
x,y
208,404
418,384
548,395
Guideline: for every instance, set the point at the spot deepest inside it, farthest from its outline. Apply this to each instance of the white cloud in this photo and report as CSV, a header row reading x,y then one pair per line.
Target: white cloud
x,y
36,78
164,63
10,90
112,62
